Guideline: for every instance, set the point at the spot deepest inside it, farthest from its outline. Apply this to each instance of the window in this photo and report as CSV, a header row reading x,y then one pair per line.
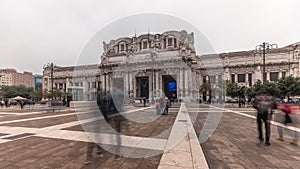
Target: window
x,y
145,45
219,78
93,84
175,42
212,79
274,76
283,74
250,79
170,42
233,78
122,47
76,84
204,79
89,85
241,78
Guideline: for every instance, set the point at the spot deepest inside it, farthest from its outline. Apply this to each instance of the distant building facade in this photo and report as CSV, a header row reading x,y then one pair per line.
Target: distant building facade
x,y
38,82
156,65
10,77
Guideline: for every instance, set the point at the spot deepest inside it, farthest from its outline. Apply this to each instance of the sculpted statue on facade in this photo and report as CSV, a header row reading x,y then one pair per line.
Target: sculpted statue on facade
x,y
187,40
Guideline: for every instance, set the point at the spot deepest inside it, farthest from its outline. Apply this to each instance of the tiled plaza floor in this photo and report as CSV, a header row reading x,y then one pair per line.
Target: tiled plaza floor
x,y
36,139
234,143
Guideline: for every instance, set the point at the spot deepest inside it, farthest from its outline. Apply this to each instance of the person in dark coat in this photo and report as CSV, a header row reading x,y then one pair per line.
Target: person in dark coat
x,y
264,104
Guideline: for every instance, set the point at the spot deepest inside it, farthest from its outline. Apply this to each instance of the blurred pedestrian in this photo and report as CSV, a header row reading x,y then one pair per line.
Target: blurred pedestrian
x,y
168,105
286,119
144,101
21,102
6,102
264,104
157,108
64,101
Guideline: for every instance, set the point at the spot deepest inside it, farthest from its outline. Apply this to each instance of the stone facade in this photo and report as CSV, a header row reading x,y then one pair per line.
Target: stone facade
x,y
156,65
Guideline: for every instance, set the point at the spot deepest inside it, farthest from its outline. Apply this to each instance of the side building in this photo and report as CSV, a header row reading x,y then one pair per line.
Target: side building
x,y
10,77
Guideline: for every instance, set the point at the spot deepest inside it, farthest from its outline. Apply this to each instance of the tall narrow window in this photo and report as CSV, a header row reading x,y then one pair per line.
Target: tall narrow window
x,y
241,78
145,45
283,74
170,42
122,47
204,79
219,78
175,42
93,84
250,79
233,78
212,79
274,76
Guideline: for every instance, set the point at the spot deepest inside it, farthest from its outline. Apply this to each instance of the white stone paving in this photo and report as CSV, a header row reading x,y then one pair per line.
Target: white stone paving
x,y
56,132
183,149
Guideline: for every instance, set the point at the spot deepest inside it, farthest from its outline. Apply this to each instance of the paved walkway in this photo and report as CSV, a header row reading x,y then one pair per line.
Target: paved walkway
x,y
234,142
57,140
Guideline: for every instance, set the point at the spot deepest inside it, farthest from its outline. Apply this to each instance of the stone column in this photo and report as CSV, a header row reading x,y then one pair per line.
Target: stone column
x,y
134,85
126,82
235,77
130,87
67,84
49,83
85,89
189,82
157,83
181,82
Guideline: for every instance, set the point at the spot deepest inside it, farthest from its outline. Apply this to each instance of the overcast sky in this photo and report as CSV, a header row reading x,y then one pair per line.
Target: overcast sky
x,y
36,32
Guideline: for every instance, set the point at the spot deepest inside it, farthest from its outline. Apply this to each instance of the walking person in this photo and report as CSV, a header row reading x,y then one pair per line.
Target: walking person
x,y
21,102
6,103
264,104
157,108
285,118
167,106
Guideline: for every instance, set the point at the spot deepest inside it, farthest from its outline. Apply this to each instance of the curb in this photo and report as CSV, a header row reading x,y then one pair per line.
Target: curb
x,y
187,153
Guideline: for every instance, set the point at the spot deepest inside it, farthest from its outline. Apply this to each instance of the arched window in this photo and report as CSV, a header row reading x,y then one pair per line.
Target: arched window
x,y
145,44
122,46
170,41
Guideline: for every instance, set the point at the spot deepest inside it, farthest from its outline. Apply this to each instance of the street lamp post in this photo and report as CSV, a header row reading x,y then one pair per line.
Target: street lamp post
x,y
51,81
265,47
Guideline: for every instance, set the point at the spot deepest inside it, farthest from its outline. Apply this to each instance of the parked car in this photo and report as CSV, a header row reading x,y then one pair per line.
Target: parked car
x,y
232,100
278,100
293,100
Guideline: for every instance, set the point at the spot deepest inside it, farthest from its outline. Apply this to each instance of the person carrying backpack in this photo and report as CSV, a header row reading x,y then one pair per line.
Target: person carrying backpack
x,y
264,104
